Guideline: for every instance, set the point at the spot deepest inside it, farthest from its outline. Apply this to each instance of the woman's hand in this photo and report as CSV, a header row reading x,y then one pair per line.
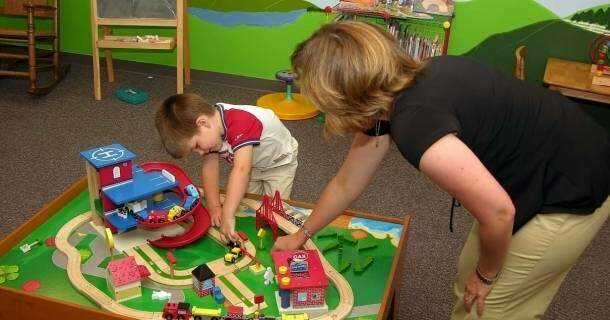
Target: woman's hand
x,y
289,242
475,292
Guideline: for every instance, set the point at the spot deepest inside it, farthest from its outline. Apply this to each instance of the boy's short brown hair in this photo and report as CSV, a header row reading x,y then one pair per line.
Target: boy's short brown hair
x,y
352,71
176,121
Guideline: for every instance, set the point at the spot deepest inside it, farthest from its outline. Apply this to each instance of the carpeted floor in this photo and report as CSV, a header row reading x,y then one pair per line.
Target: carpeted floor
x,y
41,139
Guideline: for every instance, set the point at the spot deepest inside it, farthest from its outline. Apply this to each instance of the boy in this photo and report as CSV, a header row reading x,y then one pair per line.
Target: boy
x,y
260,148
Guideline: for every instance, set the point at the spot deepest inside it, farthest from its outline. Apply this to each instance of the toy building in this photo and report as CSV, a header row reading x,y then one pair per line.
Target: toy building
x,y
124,278
203,280
301,278
118,189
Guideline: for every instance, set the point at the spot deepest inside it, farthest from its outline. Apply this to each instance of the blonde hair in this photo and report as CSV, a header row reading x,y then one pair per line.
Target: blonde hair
x,y
176,121
352,71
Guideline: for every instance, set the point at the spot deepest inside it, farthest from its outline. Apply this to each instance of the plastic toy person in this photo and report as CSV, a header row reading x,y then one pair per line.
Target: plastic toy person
x,y
269,276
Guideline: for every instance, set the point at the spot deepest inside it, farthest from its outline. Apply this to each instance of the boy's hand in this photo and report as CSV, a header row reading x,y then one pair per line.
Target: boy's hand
x,y
227,229
215,215
289,242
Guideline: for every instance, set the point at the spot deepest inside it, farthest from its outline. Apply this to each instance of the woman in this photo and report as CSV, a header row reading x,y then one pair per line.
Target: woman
x,y
526,163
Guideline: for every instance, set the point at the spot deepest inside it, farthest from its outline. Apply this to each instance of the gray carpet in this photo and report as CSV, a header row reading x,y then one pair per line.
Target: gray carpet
x,y
41,139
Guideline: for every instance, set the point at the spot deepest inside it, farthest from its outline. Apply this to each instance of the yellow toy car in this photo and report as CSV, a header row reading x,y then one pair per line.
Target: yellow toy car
x,y
175,212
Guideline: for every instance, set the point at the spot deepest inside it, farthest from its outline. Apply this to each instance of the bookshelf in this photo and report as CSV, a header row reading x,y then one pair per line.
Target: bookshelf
x,y
421,34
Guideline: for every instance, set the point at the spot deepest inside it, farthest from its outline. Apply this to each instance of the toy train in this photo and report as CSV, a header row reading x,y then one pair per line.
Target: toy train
x,y
183,311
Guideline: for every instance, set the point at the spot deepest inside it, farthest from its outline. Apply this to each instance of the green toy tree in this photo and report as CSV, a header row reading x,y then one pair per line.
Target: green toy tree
x,y
8,273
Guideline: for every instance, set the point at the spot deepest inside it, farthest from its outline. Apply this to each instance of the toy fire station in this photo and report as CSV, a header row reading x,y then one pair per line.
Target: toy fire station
x,y
301,279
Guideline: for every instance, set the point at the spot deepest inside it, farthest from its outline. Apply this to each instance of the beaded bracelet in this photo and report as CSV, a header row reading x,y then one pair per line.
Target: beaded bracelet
x,y
306,232
486,280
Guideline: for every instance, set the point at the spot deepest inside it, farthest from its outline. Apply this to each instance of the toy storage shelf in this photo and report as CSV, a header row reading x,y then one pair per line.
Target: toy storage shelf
x,y
129,42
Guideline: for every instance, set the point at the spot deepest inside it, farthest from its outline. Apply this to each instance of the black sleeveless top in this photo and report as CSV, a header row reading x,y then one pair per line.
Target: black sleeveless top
x,y
547,154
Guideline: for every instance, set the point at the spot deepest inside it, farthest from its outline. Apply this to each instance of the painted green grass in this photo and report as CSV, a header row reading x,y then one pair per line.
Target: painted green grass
x,y
235,291
369,285
204,250
257,286
84,248
107,260
156,268
38,265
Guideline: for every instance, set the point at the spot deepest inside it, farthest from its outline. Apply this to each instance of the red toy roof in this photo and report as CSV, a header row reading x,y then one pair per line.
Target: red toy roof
x,y
125,271
316,277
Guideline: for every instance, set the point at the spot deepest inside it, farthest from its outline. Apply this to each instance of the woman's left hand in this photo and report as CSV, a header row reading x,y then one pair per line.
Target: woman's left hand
x,y
475,292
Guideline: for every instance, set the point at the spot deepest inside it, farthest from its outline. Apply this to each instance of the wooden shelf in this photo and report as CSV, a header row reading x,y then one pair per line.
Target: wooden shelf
x,y
130,42
147,22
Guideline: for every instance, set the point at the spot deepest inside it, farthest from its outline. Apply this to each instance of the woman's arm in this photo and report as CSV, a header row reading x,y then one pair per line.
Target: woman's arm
x,y
363,158
456,169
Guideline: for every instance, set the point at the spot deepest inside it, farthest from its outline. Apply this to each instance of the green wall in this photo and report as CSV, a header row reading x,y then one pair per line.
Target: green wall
x,y
244,50
261,51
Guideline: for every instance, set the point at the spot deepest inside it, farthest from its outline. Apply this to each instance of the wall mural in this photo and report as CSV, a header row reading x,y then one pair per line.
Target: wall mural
x,y
577,23
264,13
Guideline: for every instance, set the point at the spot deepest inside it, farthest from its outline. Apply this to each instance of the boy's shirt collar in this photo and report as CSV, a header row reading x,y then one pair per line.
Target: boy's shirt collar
x,y
221,111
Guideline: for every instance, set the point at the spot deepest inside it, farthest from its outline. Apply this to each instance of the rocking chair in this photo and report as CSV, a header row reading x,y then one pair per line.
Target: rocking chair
x,y
28,38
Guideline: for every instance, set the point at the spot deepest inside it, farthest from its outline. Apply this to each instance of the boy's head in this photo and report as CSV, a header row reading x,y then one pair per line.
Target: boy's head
x,y
352,71
186,123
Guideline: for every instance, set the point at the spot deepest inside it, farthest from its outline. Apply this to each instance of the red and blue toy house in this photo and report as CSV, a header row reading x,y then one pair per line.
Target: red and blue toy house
x,y
124,195
124,189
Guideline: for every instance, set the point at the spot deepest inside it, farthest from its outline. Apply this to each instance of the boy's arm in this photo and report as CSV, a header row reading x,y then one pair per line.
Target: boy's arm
x,y
363,158
236,187
209,175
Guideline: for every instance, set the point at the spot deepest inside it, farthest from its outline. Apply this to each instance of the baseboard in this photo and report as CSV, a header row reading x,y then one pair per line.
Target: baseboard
x,y
196,75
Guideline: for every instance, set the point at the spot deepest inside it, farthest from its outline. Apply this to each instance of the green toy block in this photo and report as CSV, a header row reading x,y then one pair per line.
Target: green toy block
x,y
325,233
361,265
344,266
330,246
366,243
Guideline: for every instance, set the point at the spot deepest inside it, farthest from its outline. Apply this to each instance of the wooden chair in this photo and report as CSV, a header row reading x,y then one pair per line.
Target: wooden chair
x,y
520,62
31,36
107,42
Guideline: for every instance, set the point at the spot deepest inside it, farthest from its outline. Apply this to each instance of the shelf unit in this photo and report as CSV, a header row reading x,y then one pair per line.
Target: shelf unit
x,y
102,38
422,35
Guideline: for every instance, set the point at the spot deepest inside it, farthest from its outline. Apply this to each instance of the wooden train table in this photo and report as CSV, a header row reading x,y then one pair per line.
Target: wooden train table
x,y
55,265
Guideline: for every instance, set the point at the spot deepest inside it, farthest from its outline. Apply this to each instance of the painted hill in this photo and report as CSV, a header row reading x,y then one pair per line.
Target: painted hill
x,y
251,5
543,39
490,20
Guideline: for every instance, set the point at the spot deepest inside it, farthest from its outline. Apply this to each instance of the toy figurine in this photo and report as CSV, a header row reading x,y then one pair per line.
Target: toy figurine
x,y
269,276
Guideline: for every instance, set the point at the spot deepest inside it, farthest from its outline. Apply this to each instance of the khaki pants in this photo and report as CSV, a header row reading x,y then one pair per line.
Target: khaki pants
x,y
539,257
267,181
